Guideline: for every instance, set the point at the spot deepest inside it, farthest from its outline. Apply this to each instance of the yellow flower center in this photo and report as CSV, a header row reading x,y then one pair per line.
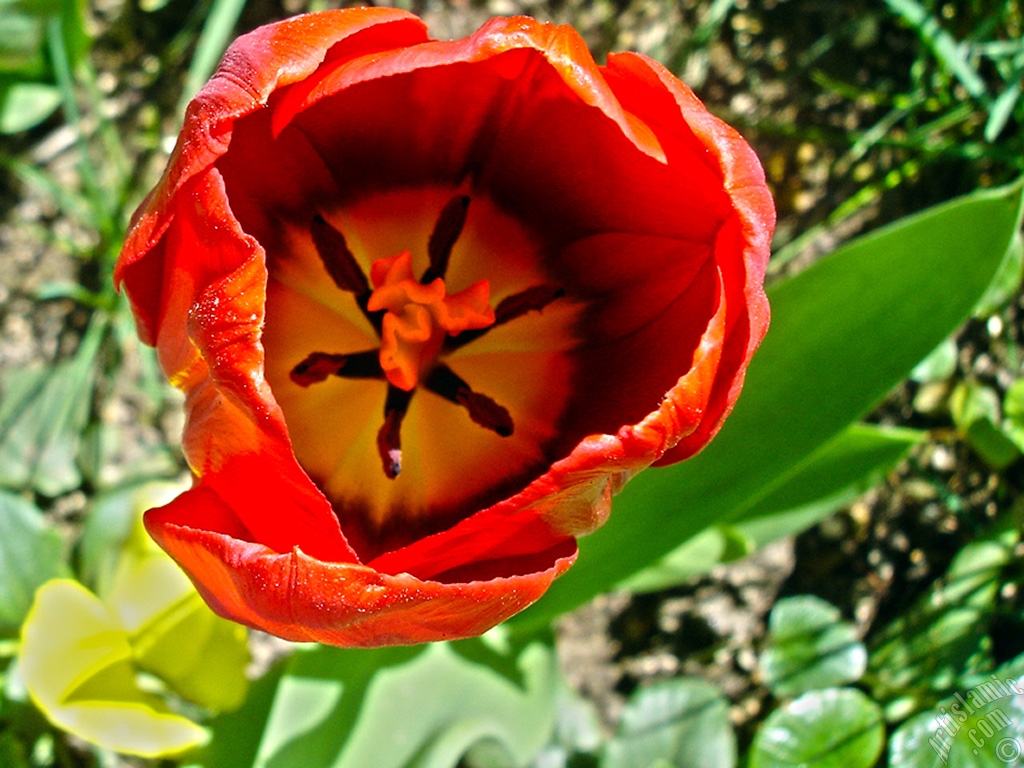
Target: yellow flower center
x,y
467,358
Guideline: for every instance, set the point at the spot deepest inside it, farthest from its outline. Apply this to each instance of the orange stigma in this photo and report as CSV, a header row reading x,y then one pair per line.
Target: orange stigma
x,y
418,317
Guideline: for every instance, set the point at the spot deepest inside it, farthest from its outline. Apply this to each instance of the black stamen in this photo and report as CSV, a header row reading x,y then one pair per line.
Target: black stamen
x,y
319,365
342,266
442,239
336,257
482,410
511,307
389,438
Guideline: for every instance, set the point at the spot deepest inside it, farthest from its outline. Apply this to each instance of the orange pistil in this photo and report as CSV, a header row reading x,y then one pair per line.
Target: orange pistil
x,y
419,317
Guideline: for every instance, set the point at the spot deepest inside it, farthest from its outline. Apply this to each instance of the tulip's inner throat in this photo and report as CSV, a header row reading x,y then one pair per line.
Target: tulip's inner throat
x,y
418,323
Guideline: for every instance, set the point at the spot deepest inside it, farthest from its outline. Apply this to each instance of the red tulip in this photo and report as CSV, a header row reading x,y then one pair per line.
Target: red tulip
x,y
431,304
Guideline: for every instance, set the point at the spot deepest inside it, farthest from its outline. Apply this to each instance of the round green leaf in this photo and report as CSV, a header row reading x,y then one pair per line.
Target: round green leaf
x,y
27,104
991,737
980,726
810,647
834,728
682,722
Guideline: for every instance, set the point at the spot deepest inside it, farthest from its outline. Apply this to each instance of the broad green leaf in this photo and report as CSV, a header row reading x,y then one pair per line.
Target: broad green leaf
x,y
31,553
840,470
810,647
944,634
719,544
843,333
846,466
302,712
683,722
336,708
981,726
975,410
21,41
833,728
75,661
577,726
1006,281
22,34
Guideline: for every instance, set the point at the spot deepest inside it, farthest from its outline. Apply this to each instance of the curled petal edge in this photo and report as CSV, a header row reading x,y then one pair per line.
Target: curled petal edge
x,y
304,599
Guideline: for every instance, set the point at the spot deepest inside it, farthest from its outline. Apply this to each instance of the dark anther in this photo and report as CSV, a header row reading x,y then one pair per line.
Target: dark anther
x,y
442,239
337,259
511,307
342,266
482,410
519,304
389,438
319,365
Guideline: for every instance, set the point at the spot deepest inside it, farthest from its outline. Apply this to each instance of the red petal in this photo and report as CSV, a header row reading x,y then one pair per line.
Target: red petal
x,y
742,245
666,239
208,340
256,64
300,598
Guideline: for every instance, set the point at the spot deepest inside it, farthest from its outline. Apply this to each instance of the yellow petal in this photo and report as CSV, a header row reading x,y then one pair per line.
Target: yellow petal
x,y
201,656
172,632
75,661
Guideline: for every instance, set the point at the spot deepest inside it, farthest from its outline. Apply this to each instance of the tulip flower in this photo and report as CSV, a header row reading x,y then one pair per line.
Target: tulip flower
x,y
431,304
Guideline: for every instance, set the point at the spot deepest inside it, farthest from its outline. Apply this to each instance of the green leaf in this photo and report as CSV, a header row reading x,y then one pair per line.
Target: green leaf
x,y
951,53
683,722
1006,281
844,332
24,105
981,726
939,365
42,414
22,34
846,466
833,728
719,544
975,410
31,553
12,751
1013,413
428,705
21,41
810,647
108,526
944,635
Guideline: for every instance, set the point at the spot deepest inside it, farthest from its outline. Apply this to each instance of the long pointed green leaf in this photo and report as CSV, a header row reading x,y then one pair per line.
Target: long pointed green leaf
x,y
835,474
843,334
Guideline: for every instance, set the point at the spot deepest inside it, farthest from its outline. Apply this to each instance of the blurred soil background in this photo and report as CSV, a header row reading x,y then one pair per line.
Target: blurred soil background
x,y
857,121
